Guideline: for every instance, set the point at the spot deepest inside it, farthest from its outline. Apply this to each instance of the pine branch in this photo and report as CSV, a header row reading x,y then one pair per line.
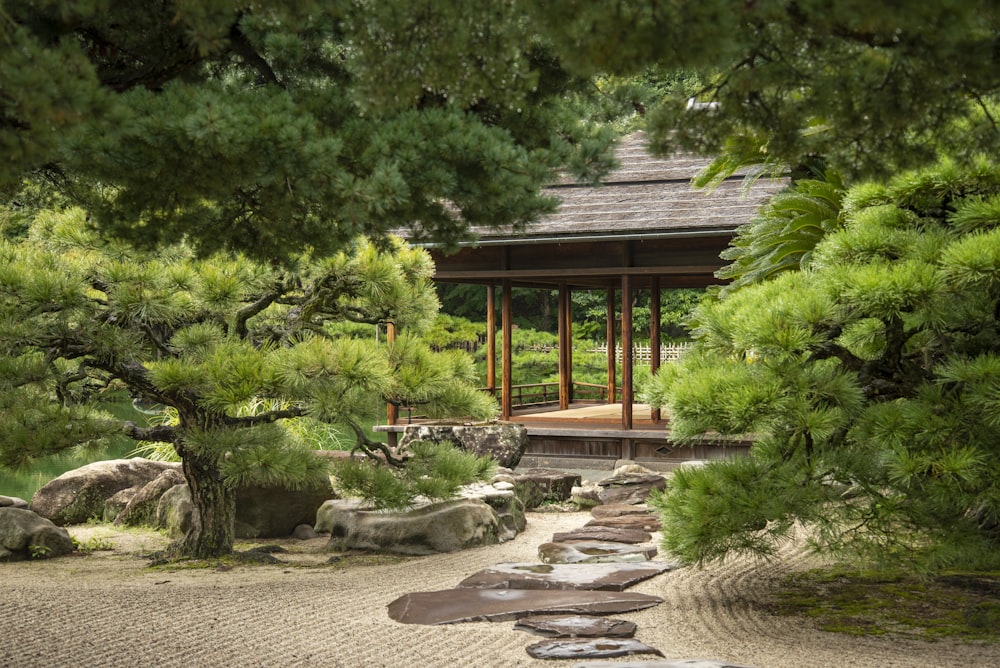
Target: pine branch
x,y
373,448
157,434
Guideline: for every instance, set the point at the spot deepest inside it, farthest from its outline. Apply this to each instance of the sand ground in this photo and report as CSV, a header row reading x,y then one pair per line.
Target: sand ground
x,y
107,608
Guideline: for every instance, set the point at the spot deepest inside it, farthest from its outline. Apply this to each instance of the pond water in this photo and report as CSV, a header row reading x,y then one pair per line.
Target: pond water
x,y
24,484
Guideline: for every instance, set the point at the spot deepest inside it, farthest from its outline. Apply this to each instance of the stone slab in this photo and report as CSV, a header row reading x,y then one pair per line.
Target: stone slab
x,y
596,648
607,534
618,509
673,663
452,606
599,577
577,626
594,552
640,522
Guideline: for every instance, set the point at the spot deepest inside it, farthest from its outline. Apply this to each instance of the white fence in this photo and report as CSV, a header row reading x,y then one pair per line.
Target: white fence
x,y
643,352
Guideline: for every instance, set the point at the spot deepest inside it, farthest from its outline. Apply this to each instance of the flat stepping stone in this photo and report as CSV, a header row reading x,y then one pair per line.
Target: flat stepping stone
x,y
644,522
594,552
599,577
607,534
619,509
577,626
453,606
673,663
596,648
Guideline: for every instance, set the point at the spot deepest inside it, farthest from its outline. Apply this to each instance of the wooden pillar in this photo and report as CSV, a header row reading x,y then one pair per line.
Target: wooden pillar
x,y
507,346
654,334
565,347
612,309
491,340
391,410
626,353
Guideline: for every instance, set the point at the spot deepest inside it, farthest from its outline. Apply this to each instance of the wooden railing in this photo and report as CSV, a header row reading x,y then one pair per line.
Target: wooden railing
x,y
545,394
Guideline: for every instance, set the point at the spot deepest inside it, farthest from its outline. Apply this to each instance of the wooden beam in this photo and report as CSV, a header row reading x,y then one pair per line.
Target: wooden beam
x,y
572,273
506,355
391,410
491,339
654,334
612,309
626,352
565,325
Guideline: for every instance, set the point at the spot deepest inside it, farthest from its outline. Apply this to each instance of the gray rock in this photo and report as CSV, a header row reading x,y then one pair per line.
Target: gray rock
x,y
80,494
261,512
594,552
586,495
175,511
505,442
453,606
607,534
644,522
619,509
12,502
629,487
576,626
140,510
26,535
674,663
598,577
274,512
305,532
545,485
597,648
447,526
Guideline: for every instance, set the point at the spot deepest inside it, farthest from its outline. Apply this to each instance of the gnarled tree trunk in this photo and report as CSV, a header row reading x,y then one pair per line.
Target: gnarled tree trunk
x,y
212,531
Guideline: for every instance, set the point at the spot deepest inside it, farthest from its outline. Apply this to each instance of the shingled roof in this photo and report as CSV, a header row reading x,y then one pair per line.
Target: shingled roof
x,y
645,196
644,221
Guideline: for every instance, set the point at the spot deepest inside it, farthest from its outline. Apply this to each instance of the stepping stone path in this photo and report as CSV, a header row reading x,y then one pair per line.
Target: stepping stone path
x,y
582,578
576,626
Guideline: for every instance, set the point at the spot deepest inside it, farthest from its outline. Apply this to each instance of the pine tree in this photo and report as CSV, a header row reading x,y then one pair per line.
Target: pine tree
x,y
871,87
868,380
235,348
267,129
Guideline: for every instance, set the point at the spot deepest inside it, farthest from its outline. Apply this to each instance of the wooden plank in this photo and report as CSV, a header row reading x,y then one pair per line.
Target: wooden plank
x,y
507,346
491,339
627,394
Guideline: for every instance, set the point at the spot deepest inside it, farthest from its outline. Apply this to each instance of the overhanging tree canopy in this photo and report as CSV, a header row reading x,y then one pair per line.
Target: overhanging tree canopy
x,y
270,128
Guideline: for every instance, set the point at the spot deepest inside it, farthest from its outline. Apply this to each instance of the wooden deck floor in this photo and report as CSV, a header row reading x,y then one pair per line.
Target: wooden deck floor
x,y
590,417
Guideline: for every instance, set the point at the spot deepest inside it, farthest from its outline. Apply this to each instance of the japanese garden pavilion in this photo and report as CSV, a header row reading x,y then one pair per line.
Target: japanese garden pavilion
x,y
643,228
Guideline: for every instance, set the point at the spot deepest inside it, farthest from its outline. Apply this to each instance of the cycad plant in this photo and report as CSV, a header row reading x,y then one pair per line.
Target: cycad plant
x,y
235,348
869,380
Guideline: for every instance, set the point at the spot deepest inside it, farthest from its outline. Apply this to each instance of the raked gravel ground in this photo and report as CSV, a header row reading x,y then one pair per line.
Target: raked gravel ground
x,y
108,609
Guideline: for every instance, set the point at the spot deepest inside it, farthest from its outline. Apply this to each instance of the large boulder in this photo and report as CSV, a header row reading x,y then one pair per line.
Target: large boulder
x,y
539,486
447,526
505,442
80,494
261,512
26,535
630,484
140,508
12,502
274,512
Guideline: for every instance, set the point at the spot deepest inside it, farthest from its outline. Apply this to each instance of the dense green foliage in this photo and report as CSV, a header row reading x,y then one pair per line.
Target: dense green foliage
x,y
233,348
271,128
869,87
433,471
868,379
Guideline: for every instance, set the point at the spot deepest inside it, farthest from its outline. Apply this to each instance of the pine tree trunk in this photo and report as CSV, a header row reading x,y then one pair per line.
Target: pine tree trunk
x,y
211,534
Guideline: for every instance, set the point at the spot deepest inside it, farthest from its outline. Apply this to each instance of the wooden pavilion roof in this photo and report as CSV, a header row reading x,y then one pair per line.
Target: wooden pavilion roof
x,y
645,220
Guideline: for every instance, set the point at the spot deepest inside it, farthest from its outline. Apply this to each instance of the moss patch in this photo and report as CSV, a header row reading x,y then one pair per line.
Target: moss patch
x,y
958,605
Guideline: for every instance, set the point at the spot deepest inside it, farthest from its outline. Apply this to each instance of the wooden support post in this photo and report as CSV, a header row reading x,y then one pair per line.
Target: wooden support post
x,y
626,352
612,372
654,334
565,347
491,340
507,346
391,410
